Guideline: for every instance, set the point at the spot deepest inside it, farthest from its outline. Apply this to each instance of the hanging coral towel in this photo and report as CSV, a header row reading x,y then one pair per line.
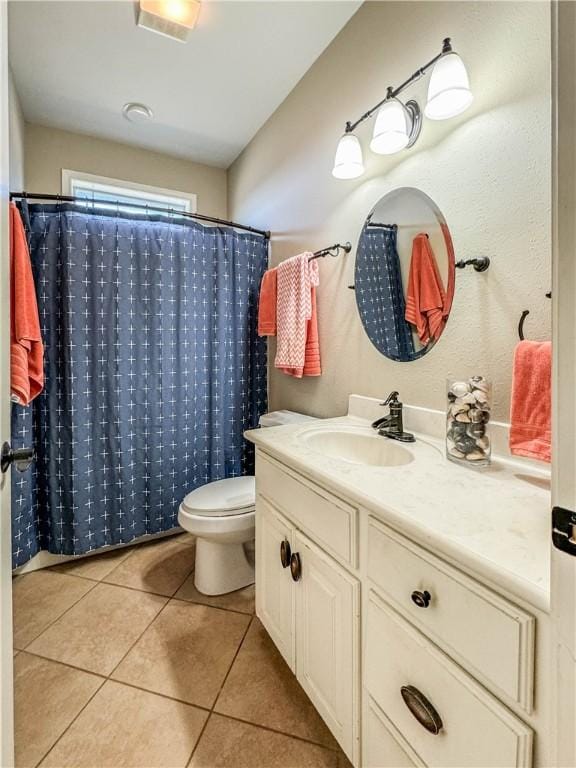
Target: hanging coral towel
x,y
426,303
298,349
267,304
530,416
26,348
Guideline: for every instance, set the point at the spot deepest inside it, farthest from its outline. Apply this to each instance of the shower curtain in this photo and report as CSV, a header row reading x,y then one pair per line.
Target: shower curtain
x,y
153,368
380,293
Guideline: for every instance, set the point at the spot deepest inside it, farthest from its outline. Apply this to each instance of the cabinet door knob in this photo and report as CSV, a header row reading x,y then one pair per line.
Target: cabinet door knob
x,y
421,599
295,566
422,709
285,553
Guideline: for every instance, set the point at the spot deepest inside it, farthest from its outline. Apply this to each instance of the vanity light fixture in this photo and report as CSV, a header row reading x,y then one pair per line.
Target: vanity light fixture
x,y
398,124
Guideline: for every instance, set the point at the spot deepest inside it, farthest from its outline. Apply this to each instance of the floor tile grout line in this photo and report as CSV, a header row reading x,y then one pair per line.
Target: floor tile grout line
x,y
71,723
240,644
51,624
105,679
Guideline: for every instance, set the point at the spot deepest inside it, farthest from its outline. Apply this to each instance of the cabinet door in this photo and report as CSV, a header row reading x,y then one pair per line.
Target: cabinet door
x,y
327,632
274,585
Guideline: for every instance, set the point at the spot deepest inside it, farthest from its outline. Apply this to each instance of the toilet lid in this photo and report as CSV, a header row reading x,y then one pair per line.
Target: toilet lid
x,y
223,497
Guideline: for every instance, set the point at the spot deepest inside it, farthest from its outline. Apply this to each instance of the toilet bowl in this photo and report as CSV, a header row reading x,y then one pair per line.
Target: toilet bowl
x,y
222,517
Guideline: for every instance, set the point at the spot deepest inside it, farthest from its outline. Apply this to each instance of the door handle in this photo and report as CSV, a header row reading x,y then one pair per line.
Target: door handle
x,y
285,553
295,566
20,457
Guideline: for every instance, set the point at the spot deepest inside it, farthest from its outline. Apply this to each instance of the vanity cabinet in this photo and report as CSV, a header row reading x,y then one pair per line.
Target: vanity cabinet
x,y
310,606
445,673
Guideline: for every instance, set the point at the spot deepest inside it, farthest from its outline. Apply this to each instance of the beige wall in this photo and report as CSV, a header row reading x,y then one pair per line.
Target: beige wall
x,y
16,133
48,150
488,171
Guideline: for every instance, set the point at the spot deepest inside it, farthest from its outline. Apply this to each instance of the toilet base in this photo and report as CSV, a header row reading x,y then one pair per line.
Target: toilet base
x,y
221,568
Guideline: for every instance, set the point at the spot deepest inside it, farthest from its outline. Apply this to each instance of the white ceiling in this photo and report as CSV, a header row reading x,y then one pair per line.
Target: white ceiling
x,y
76,63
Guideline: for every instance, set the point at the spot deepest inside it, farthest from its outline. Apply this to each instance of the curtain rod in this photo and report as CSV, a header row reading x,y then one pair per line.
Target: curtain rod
x,y
159,209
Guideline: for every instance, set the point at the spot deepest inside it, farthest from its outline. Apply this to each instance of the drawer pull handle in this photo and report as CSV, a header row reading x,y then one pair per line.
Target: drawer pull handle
x,y
421,599
295,566
285,553
422,709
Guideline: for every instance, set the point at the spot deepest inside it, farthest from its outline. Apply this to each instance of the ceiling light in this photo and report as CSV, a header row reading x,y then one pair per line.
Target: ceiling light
x,y
172,18
137,113
348,162
449,88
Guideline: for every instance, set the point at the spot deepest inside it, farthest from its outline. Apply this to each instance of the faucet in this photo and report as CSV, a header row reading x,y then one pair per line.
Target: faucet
x,y
392,426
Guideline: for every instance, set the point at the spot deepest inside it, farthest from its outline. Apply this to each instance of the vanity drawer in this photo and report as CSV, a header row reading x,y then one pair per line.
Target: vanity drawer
x,y
381,748
492,638
328,520
475,730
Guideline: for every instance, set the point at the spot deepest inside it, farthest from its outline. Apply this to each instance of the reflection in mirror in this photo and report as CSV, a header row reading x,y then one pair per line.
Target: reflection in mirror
x,y
404,276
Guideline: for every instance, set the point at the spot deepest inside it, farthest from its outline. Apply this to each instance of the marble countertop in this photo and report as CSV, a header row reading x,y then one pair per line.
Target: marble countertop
x,y
495,522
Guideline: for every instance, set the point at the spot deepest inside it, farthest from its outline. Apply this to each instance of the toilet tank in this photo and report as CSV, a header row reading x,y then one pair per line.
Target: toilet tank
x,y
278,418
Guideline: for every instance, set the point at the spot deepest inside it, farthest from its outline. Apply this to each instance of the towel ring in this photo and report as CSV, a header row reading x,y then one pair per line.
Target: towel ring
x,y
523,317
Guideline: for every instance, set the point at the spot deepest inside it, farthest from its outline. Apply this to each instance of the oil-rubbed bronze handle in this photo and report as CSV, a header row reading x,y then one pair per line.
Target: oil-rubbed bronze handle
x,y
285,553
421,599
295,566
422,709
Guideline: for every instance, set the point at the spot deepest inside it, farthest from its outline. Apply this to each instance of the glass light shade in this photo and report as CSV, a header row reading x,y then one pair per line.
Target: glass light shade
x,y
348,163
449,91
391,129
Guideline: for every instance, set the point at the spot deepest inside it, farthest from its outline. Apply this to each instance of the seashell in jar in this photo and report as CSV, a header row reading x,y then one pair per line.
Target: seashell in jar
x,y
475,456
476,415
483,443
459,388
467,398
480,396
465,444
462,417
479,382
457,408
456,453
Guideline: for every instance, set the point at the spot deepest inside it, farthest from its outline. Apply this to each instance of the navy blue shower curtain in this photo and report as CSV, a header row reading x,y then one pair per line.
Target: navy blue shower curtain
x,y
380,294
153,371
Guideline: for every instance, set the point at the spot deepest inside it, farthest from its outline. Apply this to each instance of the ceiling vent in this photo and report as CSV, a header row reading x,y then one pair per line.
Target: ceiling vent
x,y
171,18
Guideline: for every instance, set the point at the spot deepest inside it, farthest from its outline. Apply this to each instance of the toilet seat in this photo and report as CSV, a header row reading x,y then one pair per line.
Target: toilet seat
x,y
233,496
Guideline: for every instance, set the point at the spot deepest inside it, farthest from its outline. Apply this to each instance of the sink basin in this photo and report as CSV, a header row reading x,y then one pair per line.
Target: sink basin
x,y
357,447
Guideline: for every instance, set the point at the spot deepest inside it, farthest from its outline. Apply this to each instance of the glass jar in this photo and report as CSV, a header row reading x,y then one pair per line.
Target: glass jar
x,y
469,402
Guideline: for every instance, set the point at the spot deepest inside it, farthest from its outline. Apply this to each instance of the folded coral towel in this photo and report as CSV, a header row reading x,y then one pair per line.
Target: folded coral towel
x,y
427,306
530,415
296,318
26,348
267,304
312,365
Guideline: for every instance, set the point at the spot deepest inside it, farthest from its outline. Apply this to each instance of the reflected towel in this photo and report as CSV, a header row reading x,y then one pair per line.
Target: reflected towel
x,y
312,364
294,310
267,304
427,306
26,348
531,408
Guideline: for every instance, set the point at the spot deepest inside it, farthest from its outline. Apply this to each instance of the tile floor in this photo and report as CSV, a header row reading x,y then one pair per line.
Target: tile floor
x,y
119,661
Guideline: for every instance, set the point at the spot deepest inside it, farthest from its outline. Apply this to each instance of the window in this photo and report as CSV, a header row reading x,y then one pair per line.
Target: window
x,y
122,193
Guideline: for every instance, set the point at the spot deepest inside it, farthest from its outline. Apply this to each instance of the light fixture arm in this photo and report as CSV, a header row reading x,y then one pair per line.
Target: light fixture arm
x,y
392,93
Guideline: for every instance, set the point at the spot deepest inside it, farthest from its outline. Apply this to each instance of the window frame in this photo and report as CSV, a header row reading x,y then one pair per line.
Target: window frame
x,y
142,193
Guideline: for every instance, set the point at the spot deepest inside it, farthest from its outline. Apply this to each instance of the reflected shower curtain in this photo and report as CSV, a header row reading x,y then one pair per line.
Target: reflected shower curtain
x,y
380,294
153,367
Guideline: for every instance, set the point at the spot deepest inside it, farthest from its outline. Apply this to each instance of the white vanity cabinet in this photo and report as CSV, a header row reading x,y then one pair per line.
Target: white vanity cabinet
x,y
310,606
409,660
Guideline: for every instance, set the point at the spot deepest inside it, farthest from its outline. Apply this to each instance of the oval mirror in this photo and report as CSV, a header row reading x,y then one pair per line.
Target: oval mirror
x,y
404,276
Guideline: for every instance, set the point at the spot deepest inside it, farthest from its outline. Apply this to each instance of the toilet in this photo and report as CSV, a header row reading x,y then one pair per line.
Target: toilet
x,y
222,517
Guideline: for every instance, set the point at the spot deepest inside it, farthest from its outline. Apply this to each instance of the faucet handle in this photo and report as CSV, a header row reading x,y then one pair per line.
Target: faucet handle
x,y
392,398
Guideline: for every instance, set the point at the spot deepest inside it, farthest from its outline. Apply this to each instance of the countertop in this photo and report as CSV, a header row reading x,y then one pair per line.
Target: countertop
x,y
494,522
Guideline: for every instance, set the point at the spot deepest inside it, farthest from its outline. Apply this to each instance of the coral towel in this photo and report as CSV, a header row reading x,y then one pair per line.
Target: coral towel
x,y
427,305
298,349
530,415
267,304
26,348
